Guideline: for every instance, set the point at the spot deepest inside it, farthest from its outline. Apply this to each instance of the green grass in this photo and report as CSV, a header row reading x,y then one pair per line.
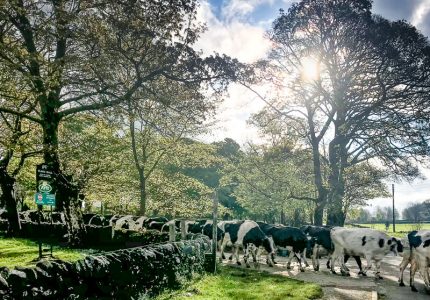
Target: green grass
x,y
21,252
401,229
237,284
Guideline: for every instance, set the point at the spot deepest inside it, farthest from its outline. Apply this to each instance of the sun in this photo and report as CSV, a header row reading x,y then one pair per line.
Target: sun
x,y
310,69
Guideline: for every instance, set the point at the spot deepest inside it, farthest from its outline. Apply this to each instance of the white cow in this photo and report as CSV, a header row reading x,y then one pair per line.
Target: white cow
x,y
365,242
419,257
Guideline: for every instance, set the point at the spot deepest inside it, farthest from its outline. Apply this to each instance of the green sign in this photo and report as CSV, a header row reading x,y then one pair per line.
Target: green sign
x,y
46,179
44,199
46,185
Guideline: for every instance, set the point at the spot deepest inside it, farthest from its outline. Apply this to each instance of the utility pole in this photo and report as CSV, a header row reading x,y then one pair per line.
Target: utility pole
x,y
394,212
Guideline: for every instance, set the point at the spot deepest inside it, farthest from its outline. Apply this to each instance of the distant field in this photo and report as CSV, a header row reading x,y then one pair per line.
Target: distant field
x,y
21,252
401,229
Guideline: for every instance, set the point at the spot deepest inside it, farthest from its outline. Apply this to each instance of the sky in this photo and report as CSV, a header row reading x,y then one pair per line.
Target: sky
x,y
237,28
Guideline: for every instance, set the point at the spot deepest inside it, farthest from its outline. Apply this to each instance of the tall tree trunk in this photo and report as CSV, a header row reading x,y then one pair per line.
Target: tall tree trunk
x,y
67,193
337,158
282,219
142,187
8,195
321,199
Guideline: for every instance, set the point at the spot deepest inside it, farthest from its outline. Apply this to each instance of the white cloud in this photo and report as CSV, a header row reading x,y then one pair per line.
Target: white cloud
x,y
420,14
241,8
247,43
237,39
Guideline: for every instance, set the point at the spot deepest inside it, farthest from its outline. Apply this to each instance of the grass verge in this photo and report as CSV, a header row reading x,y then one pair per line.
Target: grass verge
x,y
20,252
237,284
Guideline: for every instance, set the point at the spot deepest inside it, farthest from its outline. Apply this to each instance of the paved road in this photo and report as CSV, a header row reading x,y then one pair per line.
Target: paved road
x,y
337,287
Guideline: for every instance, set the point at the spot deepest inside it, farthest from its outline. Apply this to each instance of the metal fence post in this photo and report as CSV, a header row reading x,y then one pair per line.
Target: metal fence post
x,y
214,229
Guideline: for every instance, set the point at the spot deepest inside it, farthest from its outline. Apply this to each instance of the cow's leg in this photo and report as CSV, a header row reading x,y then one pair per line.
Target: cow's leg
x,y
343,269
422,266
368,265
290,257
223,244
255,253
378,269
236,254
246,254
269,259
329,259
360,267
345,260
298,255
315,258
402,267
413,270
304,258
335,257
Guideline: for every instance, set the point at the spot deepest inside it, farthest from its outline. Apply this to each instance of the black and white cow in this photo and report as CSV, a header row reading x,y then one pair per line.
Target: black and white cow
x,y
157,222
419,242
244,234
293,239
368,243
58,217
87,217
408,258
322,241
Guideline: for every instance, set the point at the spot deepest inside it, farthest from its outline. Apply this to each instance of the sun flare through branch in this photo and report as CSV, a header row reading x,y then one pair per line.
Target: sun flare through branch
x,y
310,69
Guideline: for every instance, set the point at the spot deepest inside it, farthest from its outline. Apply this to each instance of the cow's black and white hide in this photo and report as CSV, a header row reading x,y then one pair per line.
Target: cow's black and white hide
x,y
208,231
322,242
138,223
58,218
294,240
197,226
98,220
365,242
114,219
407,258
156,220
125,222
244,234
419,256
87,217
32,216
156,225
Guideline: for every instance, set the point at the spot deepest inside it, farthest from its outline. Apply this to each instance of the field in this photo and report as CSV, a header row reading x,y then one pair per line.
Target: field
x,y
21,252
234,284
401,229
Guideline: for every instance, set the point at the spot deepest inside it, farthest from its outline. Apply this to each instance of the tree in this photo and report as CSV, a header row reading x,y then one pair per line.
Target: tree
x,y
362,183
413,212
89,133
157,121
76,56
358,77
265,191
16,145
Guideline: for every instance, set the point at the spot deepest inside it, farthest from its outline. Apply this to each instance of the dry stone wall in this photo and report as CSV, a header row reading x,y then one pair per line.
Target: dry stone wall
x,y
121,274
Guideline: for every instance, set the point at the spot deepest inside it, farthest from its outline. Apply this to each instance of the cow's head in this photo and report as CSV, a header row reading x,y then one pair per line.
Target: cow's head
x,y
395,245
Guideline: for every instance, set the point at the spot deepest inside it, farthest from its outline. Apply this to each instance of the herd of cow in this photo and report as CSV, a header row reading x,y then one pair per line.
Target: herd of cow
x,y
338,243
